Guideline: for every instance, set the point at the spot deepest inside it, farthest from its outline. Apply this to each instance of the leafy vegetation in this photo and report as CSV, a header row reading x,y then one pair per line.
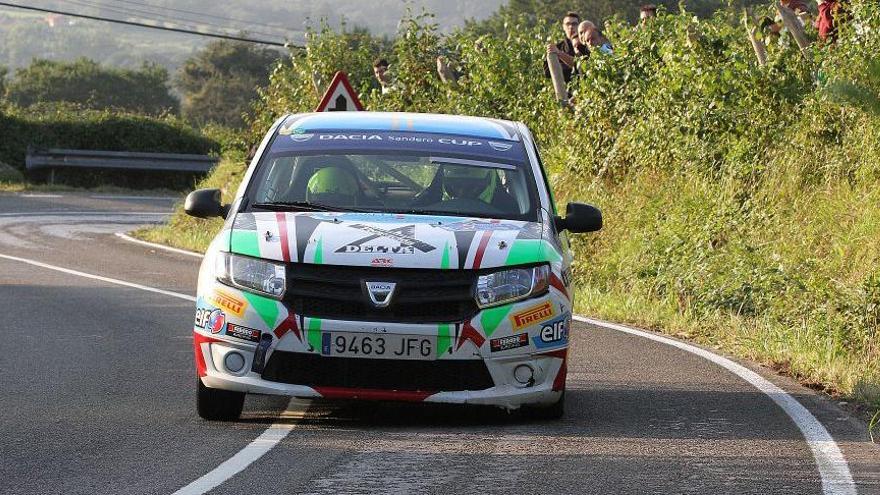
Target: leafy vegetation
x,y
74,127
741,201
220,82
90,85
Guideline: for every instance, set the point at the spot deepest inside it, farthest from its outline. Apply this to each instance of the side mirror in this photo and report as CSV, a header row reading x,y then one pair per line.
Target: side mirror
x,y
205,203
580,218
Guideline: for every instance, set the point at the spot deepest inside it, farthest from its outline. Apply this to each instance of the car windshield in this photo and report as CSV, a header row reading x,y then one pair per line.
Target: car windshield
x,y
417,184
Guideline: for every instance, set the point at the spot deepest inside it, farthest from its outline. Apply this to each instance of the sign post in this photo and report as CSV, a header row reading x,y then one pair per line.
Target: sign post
x,y
340,96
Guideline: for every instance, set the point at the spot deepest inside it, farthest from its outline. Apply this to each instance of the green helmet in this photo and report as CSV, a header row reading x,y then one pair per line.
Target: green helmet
x,y
469,182
333,185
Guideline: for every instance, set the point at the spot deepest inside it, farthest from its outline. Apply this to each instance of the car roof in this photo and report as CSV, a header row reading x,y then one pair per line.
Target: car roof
x,y
478,127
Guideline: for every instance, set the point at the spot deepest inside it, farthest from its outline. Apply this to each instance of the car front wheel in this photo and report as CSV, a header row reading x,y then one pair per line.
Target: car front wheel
x,y
218,405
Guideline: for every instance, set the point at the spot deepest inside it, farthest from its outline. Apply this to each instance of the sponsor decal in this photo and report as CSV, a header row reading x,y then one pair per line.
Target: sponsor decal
x,y
212,320
459,142
301,138
227,301
405,236
410,139
509,342
382,262
349,137
553,333
532,315
244,333
500,146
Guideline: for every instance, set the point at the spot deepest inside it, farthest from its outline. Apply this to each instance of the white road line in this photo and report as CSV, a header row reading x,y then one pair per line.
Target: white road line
x,y
153,245
243,458
833,468
246,456
99,277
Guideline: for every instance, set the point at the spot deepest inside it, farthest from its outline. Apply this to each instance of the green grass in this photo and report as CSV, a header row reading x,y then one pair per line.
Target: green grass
x,y
194,234
790,281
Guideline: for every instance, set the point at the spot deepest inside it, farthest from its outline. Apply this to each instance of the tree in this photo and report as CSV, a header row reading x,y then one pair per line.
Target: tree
x,y
87,83
220,82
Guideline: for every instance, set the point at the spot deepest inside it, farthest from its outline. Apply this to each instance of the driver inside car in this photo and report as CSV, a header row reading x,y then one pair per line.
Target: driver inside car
x,y
476,184
332,186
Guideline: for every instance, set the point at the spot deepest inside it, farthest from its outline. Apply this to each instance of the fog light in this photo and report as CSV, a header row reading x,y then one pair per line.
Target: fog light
x,y
234,362
524,374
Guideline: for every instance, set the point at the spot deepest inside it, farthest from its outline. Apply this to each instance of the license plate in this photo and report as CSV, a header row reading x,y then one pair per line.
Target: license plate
x,y
383,346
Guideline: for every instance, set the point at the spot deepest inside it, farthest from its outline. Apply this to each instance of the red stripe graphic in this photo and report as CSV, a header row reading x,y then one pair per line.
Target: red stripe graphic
x,y
559,381
468,332
288,325
198,340
282,233
484,241
371,394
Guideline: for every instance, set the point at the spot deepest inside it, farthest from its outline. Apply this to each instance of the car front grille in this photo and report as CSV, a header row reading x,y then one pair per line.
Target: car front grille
x,y
314,370
421,295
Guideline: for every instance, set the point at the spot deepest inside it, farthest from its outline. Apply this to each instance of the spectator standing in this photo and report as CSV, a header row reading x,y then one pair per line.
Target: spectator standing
x,y
566,49
830,14
590,36
383,76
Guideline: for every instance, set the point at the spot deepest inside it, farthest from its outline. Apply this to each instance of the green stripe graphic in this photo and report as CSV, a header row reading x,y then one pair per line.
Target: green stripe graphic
x,y
444,341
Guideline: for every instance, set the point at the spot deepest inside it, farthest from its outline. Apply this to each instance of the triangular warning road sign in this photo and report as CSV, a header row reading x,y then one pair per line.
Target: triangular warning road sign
x,y
340,97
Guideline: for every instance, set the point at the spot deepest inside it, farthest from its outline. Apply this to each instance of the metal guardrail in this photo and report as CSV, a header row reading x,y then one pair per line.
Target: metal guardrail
x,y
119,160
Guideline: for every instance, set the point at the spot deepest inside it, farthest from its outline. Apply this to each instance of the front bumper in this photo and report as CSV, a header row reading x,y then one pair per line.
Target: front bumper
x,y
507,392
501,338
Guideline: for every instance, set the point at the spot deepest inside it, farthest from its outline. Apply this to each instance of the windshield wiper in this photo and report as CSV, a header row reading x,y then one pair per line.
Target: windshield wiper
x,y
305,206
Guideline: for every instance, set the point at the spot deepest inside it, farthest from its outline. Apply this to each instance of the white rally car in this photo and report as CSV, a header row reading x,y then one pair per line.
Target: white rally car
x,y
388,256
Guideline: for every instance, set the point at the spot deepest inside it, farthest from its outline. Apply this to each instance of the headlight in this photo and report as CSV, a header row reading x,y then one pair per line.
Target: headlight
x,y
511,285
252,274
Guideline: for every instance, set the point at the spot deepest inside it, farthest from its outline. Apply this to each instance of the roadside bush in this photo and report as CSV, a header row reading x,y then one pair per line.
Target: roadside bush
x,y
69,126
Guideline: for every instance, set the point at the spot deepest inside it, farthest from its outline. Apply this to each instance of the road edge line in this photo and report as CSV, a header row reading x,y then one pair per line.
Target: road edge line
x,y
101,278
126,237
252,452
268,439
832,465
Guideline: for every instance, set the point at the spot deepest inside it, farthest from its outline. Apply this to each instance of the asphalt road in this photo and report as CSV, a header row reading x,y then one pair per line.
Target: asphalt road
x,y
97,386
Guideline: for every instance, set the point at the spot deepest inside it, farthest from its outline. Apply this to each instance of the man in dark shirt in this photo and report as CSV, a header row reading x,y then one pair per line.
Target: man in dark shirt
x,y
569,49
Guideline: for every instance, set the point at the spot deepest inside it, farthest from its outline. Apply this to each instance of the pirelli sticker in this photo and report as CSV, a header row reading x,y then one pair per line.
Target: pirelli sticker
x,y
227,301
532,316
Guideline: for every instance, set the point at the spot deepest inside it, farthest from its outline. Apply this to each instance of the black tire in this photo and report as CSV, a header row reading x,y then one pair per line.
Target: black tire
x,y
218,405
552,412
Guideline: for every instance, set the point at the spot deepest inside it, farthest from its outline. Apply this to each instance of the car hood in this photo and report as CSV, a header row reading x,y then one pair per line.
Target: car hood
x,y
390,240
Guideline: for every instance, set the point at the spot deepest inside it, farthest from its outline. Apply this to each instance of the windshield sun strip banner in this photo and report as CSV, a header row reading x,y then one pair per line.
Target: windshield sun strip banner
x,y
360,141
404,122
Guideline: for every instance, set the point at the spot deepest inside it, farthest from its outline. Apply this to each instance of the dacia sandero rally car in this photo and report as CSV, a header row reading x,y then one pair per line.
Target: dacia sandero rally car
x,y
392,257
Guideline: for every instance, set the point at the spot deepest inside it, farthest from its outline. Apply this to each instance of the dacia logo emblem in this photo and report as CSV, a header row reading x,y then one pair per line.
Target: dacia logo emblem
x,y
380,292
